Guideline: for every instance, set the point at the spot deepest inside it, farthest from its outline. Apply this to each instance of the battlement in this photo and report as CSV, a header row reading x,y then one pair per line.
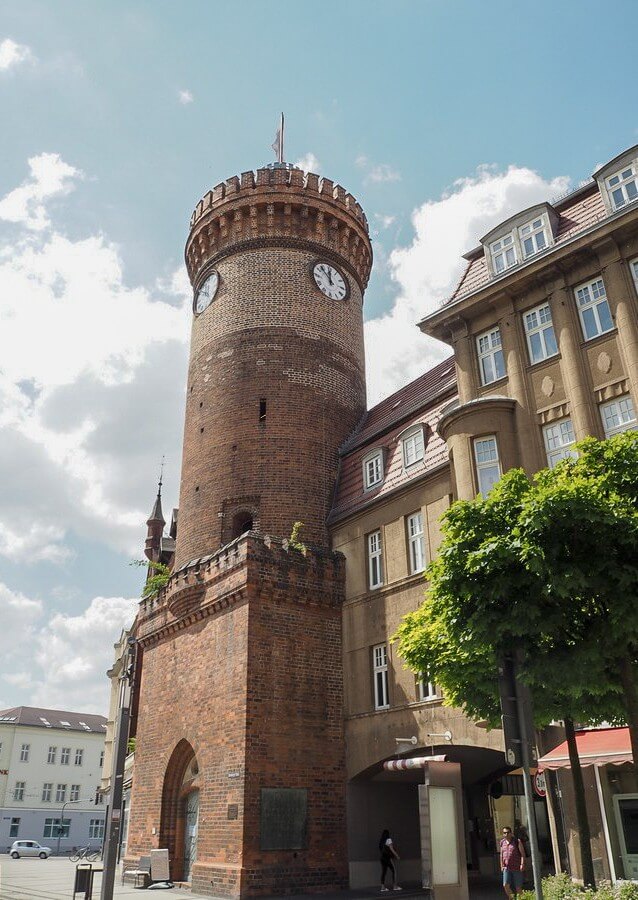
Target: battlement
x,y
277,203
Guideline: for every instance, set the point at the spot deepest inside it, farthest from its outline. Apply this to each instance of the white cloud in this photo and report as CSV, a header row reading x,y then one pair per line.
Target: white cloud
x,y
12,54
185,97
427,271
62,662
377,173
25,205
384,221
309,163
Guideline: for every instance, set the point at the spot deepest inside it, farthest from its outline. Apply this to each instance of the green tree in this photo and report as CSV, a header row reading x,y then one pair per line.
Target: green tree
x,y
548,566
157,577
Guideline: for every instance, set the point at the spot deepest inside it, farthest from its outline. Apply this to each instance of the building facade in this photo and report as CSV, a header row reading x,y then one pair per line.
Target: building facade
x,y
50,769
268,688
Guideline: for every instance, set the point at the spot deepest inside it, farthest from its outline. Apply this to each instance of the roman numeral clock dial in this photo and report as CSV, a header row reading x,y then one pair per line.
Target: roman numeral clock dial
x,y
330,281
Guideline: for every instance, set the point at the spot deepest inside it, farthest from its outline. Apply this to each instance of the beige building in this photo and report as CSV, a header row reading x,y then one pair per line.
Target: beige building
x,y
544,330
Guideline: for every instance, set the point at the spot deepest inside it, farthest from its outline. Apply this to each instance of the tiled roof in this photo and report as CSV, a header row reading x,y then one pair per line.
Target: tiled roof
x,y
576,213
52,718
422,400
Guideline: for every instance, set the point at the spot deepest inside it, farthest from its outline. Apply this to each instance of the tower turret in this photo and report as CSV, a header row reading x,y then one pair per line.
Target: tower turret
x,y
155,528
279,260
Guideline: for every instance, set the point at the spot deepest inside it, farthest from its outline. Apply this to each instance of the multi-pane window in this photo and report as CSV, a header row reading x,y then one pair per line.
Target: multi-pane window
x,y
60,793
78,757
51,754
426,689
96,829
380,672
533,237
539,331
373,469
47,789
623,186
416,543
593,308
490,356
618,415
24,753
75,793
375,563
488,468
503,253
52,828
413,446
559,441
18,791
14,827
65,756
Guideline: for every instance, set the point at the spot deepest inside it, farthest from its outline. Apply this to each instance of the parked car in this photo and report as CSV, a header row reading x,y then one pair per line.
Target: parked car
x,y
29,848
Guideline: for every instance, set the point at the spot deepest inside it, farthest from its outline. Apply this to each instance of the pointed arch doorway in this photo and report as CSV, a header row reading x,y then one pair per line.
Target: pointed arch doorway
x,y
180,811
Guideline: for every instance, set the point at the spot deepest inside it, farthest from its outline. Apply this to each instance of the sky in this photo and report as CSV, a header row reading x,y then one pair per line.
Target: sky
x,y
443,117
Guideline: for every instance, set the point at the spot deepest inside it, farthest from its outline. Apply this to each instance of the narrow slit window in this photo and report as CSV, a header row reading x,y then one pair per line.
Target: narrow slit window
x,y
262,409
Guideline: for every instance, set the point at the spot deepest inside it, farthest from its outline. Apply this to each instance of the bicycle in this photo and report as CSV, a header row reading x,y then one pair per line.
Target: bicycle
x,y
87,853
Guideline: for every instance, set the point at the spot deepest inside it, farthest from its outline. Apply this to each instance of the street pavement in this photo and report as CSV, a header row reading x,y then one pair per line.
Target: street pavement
x,y
53,879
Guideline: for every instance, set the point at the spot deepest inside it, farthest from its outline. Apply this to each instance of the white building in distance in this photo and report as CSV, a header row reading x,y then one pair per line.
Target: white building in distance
x,y
50,770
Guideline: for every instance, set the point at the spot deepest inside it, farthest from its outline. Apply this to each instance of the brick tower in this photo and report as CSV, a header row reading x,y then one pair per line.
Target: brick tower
x,y
239,763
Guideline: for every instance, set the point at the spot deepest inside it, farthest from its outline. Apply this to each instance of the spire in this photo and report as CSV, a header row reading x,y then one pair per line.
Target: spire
x,y
156,513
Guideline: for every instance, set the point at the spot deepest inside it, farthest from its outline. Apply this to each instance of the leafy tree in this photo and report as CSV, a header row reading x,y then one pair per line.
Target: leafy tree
x,y
549,566
157,577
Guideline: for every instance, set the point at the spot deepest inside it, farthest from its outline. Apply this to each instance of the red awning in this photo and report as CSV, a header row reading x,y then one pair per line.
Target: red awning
x,y
600,747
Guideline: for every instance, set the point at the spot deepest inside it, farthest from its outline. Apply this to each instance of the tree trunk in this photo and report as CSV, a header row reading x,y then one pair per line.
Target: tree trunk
x,y
630,699
586,861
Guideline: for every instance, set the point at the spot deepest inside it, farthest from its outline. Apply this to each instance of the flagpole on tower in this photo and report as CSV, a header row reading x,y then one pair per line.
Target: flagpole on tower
x,y
278,145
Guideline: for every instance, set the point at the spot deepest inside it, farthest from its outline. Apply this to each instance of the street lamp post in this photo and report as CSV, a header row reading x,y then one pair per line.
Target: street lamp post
x,y
61,822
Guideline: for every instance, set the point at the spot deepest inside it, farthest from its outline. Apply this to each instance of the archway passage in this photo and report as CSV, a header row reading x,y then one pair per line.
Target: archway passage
x,y
180,810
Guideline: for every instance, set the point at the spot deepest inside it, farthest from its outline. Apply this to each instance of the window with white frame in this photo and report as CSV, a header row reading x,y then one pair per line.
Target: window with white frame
x,y
14,827
503,253
559,441
416,543
426,689
380,671
65,756
490,356
593,308
60,793
24,753
51,754
623,186
96,829
52,828
618,415
413,446
47,789
373,469
78,757
539,330
18,791
633,265
375,562
488,467
75,792
533,237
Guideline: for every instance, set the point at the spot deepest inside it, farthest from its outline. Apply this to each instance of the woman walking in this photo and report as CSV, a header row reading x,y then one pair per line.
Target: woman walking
x,y
388,855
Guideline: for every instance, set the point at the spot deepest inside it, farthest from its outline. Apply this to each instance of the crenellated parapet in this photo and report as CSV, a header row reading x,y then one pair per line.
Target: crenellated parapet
x,y
279,204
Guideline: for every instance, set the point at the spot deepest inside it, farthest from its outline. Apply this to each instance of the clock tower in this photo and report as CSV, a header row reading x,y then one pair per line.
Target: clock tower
x,y
239,763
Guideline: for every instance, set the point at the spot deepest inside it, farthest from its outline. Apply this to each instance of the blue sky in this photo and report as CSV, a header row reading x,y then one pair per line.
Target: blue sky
x,y
443,118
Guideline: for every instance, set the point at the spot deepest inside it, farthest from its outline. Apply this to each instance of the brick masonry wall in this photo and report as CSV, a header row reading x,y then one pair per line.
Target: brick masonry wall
x,y
242,659
269,334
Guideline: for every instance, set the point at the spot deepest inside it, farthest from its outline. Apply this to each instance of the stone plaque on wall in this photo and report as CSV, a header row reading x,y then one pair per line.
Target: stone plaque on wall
x,y
284,818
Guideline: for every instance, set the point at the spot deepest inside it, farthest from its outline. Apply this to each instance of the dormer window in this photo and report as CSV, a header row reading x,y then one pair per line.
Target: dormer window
x,y
503,253
533,237
623,186
413,446
372,469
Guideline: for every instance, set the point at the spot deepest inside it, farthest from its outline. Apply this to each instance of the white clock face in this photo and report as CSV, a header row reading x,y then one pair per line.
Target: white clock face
x,y
205,294
330,281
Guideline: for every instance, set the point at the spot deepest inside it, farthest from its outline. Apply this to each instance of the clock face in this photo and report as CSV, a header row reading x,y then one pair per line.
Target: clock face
x,y
204,296
330,281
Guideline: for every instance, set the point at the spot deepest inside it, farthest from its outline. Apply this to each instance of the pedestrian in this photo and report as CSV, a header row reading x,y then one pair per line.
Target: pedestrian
x,y
388,854
512,862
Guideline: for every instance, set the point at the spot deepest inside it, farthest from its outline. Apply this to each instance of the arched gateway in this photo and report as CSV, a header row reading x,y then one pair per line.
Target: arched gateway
x,y
180,810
